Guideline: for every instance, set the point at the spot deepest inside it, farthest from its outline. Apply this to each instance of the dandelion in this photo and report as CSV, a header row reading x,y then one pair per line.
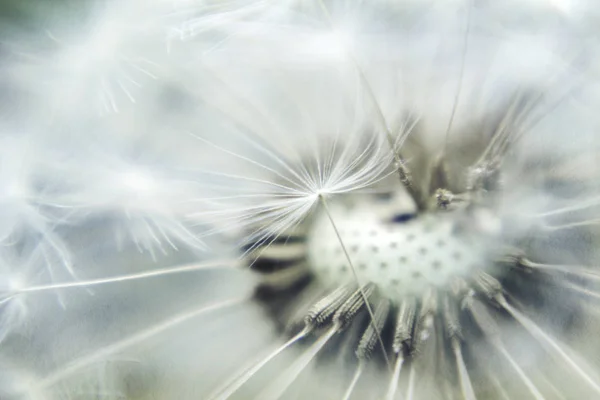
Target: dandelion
x,y
312,199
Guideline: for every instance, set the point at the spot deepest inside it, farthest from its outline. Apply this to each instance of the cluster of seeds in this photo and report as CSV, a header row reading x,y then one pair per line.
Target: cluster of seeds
x,y
411,280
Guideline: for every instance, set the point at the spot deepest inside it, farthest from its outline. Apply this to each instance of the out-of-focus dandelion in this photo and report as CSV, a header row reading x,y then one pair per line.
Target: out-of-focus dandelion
x,y
300,199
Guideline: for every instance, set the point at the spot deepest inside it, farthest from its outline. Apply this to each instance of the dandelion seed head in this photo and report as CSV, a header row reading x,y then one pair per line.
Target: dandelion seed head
x,y
301,199
402,258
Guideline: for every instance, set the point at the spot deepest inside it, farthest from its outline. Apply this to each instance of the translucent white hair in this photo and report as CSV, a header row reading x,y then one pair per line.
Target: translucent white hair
x,y
145,145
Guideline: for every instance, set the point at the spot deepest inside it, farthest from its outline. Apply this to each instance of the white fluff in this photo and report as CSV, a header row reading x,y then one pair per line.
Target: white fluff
x,y
142,136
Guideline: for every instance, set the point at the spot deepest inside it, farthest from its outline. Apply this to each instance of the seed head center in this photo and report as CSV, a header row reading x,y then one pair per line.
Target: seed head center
x,y
403,254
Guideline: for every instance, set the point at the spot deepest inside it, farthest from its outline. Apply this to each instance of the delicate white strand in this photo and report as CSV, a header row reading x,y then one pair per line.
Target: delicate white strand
x,y
124,278
89,359
558,349
465,381
393,384
526,380
359,370
287,377
460,76
225,392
